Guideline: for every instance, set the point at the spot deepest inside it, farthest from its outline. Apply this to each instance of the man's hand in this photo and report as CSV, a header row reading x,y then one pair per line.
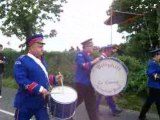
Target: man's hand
x,y
59,78
157,76
44,93
95,60
1,61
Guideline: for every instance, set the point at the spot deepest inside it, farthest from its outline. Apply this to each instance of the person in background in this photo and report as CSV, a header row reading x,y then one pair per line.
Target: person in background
x,y
153,74
83,85
2,62
77,49
105,52
30,73
71,49
117,50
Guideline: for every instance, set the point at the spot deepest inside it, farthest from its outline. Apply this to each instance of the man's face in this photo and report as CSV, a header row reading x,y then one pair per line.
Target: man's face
x,y
108,52
37,49
89,48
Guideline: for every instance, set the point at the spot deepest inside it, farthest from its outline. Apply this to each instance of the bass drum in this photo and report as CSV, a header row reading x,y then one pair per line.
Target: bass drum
x,y
63,101
109,76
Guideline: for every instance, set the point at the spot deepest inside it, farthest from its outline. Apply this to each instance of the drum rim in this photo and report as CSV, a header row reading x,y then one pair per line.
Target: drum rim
x,y
119,61
65,102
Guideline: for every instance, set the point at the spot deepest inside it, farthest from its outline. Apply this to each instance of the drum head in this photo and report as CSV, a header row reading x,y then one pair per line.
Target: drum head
x,y
109,76
63,94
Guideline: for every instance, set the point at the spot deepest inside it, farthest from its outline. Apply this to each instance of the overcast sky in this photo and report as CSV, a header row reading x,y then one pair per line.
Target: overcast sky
x,y
81,19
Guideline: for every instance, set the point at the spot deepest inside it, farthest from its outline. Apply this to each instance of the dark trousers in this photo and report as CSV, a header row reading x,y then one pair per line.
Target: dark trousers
x,y
26,114
87,94
154,97
109,100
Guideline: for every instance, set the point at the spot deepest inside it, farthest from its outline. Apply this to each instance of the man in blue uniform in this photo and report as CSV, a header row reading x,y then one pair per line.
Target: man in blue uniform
x,y
107,51
83,85
153,74
30,73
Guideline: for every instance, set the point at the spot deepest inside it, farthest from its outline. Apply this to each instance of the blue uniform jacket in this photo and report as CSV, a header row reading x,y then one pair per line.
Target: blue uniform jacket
x,y
83,68
30,77
153,68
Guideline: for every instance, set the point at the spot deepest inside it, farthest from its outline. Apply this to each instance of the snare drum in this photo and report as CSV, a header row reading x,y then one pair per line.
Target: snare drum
x,y
63,102
109,76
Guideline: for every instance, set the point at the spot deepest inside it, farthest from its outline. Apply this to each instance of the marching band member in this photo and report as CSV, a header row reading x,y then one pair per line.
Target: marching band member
x,y
153,74
83,85
107,52
30,73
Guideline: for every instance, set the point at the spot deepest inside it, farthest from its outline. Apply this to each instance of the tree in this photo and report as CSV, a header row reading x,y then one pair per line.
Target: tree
x,y
143,30
26,17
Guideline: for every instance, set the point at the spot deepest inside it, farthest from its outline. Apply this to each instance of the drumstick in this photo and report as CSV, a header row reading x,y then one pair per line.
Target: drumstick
x,y
61,81
54,92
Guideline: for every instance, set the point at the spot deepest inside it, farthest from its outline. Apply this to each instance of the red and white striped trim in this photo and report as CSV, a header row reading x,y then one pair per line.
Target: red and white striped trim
x,y
31,86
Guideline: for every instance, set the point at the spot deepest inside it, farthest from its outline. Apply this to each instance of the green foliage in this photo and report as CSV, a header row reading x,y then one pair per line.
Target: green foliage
x,y
26,17
96,54
137,75
140,50
143,30
11,56
10,82
61,62
130,101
